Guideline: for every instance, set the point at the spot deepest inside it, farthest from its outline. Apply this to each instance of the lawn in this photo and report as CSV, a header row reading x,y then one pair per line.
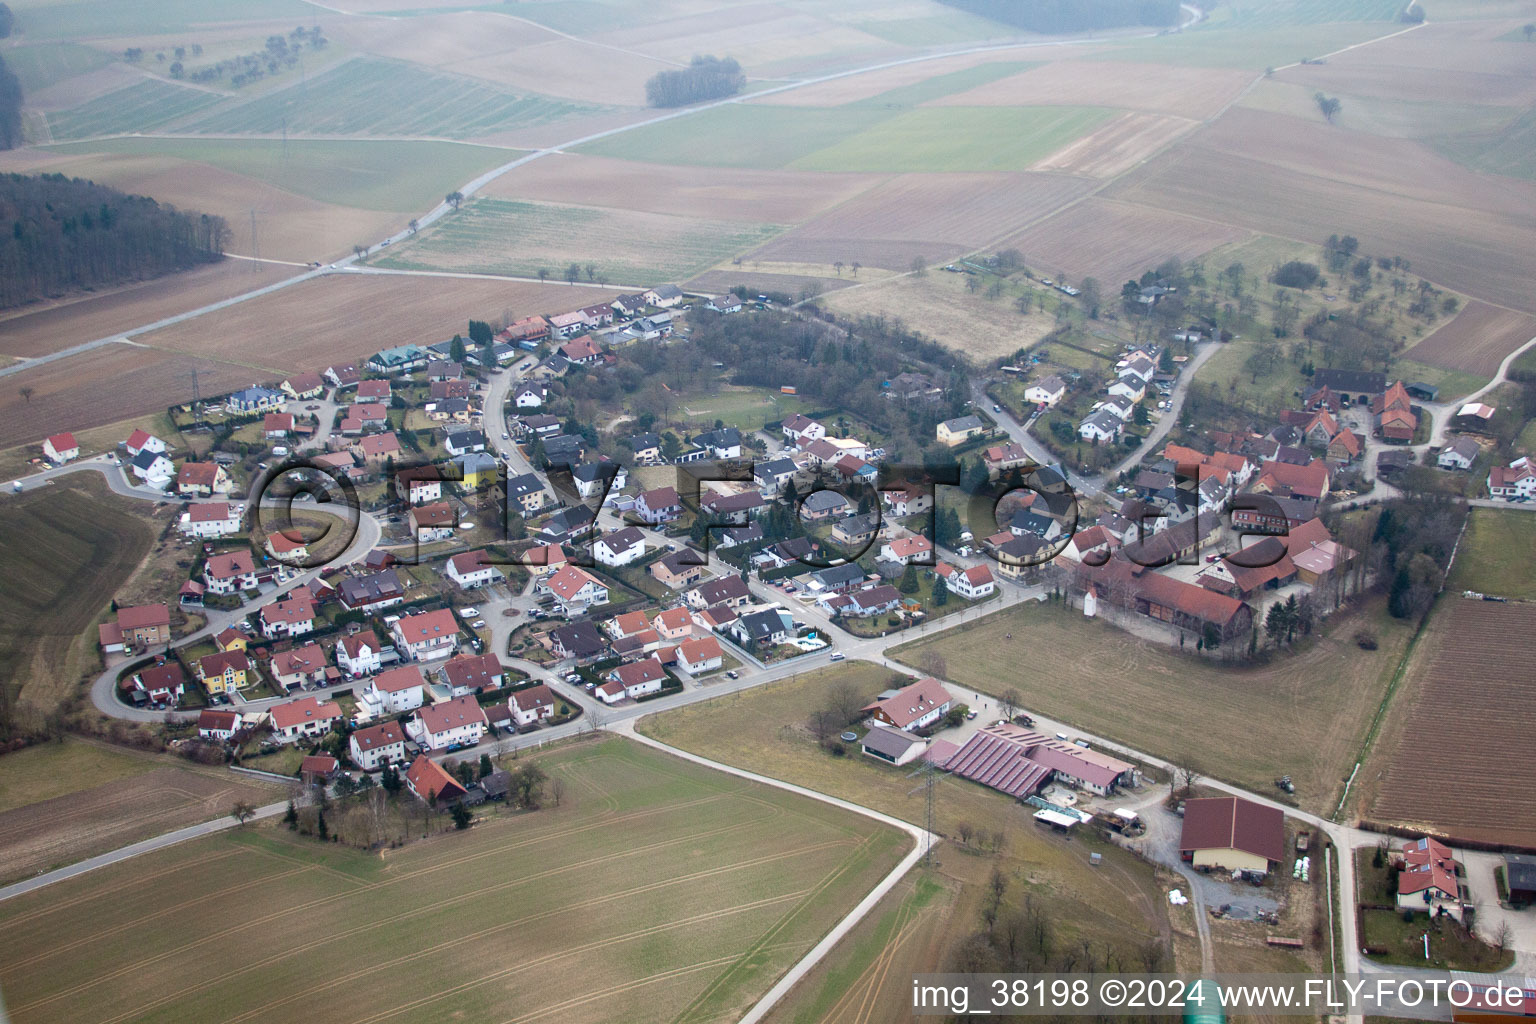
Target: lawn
x,y
55,769
1304,714
957,139
40,66
673,892
402,176
739,135
141,107
56,19
67,549
746,409
371,96
520,238
765,730
1495,554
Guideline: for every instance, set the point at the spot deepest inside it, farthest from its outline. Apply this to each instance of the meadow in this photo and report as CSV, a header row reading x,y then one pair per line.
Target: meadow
x,y
41,65
1494,556
54,19
48,770
142,107
398,175
369,96
673,893
1302,714
505,236
738,135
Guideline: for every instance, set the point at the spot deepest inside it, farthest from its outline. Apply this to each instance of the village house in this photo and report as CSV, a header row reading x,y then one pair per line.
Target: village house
x,y
373,394
767,627
473,673
470,569
730,591
678,570
891,745
61,448
727,303
909,550
635,679
582,351
620,547
217,725
444,369
912,707
525,493
1100,427
418,485
532,705
230,573
463,442
376,450
645,448
153,469
224,671
371,592
303,386
426,636
700,656
459,722
1046,391
143,441
302,666
394,691
305,718
141,626
477,471
430,783
578,640
673,625
433,522
202,480
658,505
289,616
342,375
541,560
973,583
1427,881
1515,482
664,296
256,399
276,425
824,504
210,519
1459,454
959,430
286,546
800,430
163,684
592,478
377,746
360,654
864,602
530,396
397,360
574,589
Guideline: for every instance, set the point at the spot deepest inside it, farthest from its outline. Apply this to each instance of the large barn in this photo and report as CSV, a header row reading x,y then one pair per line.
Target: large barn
x,y
1233,834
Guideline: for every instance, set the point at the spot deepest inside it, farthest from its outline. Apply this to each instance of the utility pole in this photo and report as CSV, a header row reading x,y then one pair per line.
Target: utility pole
x,y
929,774
255,246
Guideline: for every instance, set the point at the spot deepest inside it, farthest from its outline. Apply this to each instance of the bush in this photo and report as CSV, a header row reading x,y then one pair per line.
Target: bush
x,y
1366,640
838,750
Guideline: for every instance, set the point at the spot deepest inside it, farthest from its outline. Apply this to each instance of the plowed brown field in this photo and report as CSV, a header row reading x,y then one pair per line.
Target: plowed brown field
x,y
1117,146
1476,340
1159,88
1456,767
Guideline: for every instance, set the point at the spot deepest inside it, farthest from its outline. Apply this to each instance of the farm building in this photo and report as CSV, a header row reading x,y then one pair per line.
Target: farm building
x,y
1459,454
1233,834
1520,877
1020,762
892,745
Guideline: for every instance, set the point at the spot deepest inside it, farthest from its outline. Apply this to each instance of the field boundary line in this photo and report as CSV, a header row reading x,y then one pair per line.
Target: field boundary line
x,y
922,841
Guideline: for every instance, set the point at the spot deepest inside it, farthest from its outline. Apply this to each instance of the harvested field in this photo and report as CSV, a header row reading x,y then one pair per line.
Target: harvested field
x,y
502,236
42,328
1468,678
1113,241
68,549
772,197
47,770
1117,146
348,316
1476,340
1450,127
557,68
68,828
674,891
1195,93
113,383
288,226
1297,180
1304,714
935,216
938,305
438,40
765,38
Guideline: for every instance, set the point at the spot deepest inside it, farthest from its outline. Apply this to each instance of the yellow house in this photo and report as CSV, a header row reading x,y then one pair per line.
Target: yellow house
x,y
959,430
225,671
479,469
231,640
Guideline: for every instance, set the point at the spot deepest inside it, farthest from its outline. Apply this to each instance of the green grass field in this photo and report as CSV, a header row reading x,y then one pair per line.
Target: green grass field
x,y
1253,48
1495,554
1510,151
1304,714
56,19
370,96
510,237
953,27
398,175
672,892
1270,14
139,108
55,769
957,139
746,409
40,66
67,549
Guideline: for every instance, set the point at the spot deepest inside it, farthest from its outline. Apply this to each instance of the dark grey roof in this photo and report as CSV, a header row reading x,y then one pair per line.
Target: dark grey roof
x,y
146,458
380,586
618,540
839,575
824,501
466,438
526,483
774,468
893,743
972,422
1520,871
1368,381
763,624
581,639
640,442
726,437
722,589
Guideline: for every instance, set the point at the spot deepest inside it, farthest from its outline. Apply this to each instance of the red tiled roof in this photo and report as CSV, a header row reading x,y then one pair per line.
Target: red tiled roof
x,y
197,474
63,442
213,719
427,626
637,672
910,703
429,779
475,671
209,512
305,709
534,697
397,679
567,581
381,735
700,649
143,615
451,714
236,563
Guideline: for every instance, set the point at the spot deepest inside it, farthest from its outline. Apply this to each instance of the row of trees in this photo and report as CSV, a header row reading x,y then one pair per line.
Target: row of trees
x,y
10,107
705,78
68,234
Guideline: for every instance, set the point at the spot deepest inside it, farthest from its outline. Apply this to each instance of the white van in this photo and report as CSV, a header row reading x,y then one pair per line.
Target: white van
x,y
838,655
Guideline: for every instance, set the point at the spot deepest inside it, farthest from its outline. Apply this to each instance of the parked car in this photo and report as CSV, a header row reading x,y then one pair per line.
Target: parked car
x,y
838,655
733,674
